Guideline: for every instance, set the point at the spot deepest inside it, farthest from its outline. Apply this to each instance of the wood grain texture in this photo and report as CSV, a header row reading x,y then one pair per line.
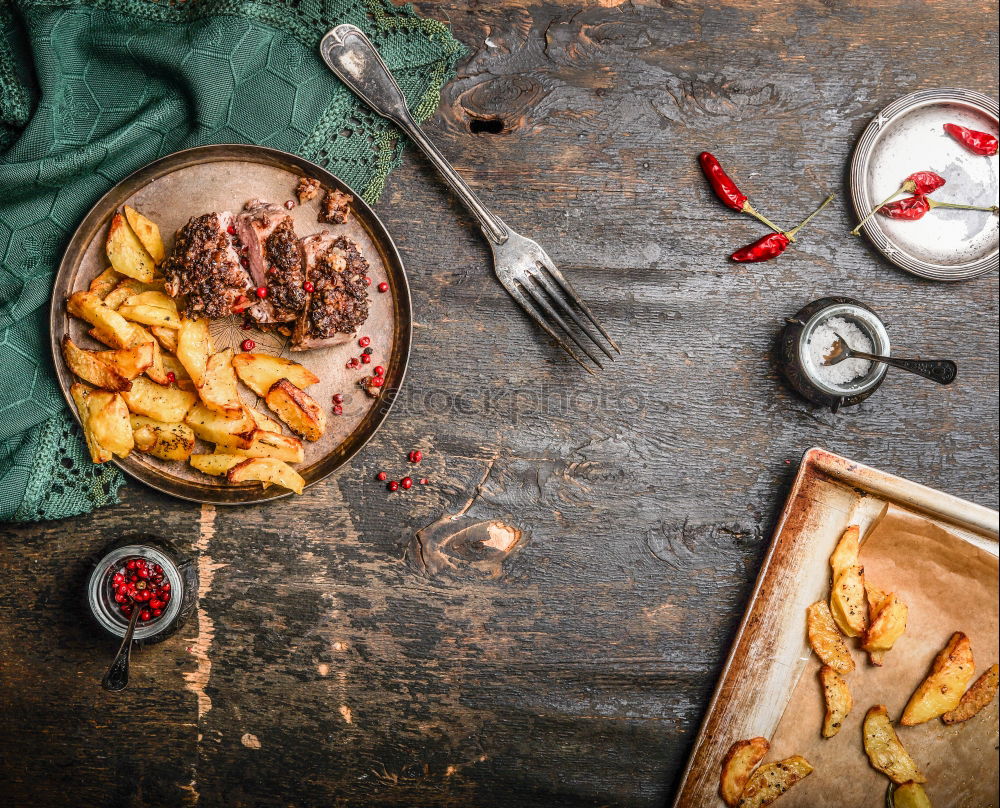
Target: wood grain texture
x,y
323,670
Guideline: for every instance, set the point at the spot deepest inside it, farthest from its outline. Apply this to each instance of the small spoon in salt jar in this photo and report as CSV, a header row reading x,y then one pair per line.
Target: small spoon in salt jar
x,y
942,371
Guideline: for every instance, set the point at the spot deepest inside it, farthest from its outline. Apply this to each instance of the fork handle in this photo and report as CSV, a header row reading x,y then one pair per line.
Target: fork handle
x,y
942,371
356,62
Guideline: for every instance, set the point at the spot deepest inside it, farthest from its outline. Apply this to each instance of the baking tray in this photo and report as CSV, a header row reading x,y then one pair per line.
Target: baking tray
x,y
224,177
770,651
907,136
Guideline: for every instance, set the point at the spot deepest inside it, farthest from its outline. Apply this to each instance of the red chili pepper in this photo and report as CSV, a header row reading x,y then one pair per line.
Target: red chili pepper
x,y
976,142
727,190
920,182
773,245
909,209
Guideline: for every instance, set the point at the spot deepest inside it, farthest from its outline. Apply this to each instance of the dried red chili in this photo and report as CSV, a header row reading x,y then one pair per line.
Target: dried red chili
x,y
909,209
773,245
976,142
920,182
728,191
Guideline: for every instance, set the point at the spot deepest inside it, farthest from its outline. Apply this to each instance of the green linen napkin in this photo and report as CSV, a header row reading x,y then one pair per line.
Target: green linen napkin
x,y
92,90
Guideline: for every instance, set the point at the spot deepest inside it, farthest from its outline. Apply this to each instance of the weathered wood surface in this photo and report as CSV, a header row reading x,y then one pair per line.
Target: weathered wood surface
x,y
323,669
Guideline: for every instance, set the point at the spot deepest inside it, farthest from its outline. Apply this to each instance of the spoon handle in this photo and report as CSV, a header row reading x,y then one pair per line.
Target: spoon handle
x,y
942,371
117,676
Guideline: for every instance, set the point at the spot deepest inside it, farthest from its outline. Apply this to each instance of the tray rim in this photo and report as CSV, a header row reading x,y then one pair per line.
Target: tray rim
x,y
208,493
862,203
949,508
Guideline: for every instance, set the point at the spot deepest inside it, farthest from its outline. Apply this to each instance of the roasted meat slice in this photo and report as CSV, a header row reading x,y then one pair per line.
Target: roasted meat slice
x,y
205,267
338,304
275,261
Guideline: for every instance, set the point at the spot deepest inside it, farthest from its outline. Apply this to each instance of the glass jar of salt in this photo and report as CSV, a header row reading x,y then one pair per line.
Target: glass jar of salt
x,y
808,342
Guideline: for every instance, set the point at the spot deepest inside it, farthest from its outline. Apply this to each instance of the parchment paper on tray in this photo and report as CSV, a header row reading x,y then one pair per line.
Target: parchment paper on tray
x,y
949,585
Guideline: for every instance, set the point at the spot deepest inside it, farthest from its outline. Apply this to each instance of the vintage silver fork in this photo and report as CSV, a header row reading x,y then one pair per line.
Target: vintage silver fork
x,y
521,265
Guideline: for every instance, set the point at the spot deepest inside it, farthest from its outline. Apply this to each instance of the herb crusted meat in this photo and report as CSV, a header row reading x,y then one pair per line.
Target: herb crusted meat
x,y
274,259
205,267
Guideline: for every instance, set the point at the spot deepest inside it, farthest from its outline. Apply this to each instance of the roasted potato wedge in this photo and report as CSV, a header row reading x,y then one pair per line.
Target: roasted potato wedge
x,y
109,422
837,697
166,441
885,628
772,780
81,394
167,337
737,766
148,234
90,367
217,390
876,597
151,308
264,422
944,687
847,601
222,430
105,282
126,253
114,330
297,409
270,444
826,640
266,470
885,751
215,464
982,692
847,551
194,346
168,404
910,795
260,372
126,288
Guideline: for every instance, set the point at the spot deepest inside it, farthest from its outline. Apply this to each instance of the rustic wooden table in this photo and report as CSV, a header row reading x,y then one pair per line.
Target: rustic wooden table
x,y
326,666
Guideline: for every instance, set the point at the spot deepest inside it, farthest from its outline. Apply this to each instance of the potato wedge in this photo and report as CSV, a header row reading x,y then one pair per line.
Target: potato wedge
x,y
944,687
126,288
90,367
737,766
263,422
875,597
221,429
847,601
885,752
167,337
838,700
846,553
982,692
114,330
215,464
270,444
217,390
167,441
267,470
81,394
148,234
126,253
887,627
910,795
168,404
105,282
297,409
109,422
194,346
260,372
772,780
826,640
151,308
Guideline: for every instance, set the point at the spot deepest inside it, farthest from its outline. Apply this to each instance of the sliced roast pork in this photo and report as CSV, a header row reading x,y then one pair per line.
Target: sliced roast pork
x,y
205,267
338,303
274,258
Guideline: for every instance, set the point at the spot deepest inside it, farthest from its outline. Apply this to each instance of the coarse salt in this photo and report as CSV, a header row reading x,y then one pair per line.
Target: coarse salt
x,y
821,343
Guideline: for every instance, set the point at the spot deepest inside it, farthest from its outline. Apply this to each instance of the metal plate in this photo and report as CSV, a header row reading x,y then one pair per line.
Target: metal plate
x,y
907,136
207,178
770,650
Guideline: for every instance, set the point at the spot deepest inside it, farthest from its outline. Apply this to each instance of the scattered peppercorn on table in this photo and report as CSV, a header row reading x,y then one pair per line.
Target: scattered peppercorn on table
x,y
542,622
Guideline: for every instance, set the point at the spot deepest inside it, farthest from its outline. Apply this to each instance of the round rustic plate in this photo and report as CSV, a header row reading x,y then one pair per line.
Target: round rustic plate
x,y
214,178
907,136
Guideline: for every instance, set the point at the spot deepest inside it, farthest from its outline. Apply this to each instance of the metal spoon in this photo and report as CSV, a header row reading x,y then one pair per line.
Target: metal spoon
x,y
117,676
942,371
